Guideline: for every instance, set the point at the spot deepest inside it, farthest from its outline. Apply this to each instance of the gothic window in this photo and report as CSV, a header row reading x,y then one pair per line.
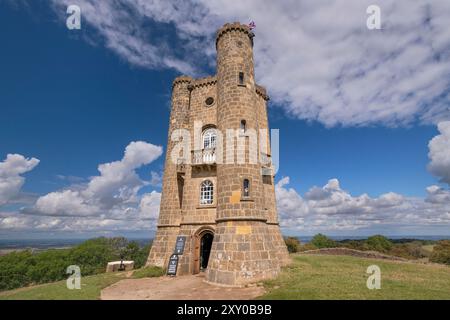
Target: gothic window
x,y
246,188
206,192
209,138
241,78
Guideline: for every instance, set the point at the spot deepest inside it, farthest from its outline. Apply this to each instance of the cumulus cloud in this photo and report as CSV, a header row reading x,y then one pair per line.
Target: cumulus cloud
x,y
149,206
111,201
17,222
438,195
156,179
11,171
439,153
290,203
317,58
115,190
330,208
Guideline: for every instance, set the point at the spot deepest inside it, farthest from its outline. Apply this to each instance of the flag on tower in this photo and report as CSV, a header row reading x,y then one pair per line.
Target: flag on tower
x,y
252,25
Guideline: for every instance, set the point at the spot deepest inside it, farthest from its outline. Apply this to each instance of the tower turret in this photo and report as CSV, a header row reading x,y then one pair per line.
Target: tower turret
x,y
242,250
170,210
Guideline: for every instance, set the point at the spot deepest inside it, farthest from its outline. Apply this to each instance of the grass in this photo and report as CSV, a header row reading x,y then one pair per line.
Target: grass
x,y
148,272
344,277
90,289
308,277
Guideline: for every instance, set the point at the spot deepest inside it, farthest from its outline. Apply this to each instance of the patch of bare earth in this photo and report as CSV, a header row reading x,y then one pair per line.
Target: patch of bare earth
x,y
190,287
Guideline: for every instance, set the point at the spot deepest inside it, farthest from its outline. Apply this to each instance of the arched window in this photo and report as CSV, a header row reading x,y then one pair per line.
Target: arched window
x,y
206,192
209,138
243,126
246,188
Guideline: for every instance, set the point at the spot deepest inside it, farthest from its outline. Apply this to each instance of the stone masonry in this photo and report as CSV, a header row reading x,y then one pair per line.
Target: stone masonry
x,y
247,245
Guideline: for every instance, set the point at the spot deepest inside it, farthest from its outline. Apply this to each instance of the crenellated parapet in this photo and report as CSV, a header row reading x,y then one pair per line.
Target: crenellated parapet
x,y
235,26
180,80
260,90
204,82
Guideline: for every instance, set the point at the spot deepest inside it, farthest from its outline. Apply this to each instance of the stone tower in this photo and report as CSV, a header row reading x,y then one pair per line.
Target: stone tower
x,y
220,194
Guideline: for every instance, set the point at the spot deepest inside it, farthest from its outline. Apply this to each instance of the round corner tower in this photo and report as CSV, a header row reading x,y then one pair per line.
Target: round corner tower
x,y
221,201
245,249
170,209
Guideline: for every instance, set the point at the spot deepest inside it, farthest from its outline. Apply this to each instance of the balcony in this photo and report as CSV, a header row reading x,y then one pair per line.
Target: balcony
x,y
204,160
205,156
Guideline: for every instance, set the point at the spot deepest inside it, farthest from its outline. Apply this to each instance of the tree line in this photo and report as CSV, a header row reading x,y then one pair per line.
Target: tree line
x,y
23,268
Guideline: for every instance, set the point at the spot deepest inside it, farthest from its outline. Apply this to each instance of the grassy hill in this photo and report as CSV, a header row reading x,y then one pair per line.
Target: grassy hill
x,y
90,289
309,277
344,277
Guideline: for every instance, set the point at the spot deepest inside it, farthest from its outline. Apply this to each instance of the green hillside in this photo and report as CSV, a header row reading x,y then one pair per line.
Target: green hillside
x,y
309,277
344,277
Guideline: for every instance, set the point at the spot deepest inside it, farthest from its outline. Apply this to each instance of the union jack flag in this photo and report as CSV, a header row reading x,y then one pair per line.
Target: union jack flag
x,y
252,25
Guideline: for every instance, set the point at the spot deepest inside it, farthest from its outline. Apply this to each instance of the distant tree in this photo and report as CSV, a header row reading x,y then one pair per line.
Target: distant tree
x,y
18,269
355,244
322,241
409,250
307,246
441,252
293,244
379,243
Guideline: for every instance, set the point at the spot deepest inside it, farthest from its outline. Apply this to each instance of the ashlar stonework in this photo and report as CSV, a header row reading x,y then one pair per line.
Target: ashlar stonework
x,y
227,212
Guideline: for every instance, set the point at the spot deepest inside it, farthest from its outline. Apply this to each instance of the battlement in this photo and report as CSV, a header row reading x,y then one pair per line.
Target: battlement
x,y
260,90
235,26
203,82
181,79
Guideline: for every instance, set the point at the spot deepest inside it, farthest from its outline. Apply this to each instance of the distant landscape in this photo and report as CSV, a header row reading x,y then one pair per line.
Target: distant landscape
x,y
8,245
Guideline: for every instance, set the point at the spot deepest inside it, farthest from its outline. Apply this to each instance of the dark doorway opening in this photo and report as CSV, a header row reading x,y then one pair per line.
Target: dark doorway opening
x,y
205,249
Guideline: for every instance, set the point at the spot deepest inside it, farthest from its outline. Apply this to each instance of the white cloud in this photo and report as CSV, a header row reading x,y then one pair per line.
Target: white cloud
x,y
65,202
114,191
331,209
317,58
149,206
108,202
439,153
17,222
156,179
438,195
11,171
290,203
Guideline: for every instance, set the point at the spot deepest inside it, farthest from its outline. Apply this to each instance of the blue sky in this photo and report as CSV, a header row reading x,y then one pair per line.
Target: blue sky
x,y
75,99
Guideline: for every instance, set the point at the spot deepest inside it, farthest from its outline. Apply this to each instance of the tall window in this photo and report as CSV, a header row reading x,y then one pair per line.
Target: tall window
x,y
241,78
246,188
209,138
206,192
243,126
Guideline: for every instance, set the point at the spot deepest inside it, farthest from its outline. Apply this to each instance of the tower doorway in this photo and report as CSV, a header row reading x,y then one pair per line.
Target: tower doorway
x,y
203,244
205,249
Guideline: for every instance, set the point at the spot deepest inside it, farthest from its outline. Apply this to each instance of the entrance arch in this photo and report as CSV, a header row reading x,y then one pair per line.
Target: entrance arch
x,y
202,249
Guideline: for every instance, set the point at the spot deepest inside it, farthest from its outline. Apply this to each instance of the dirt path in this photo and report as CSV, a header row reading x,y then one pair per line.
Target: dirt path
x,y
179,288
